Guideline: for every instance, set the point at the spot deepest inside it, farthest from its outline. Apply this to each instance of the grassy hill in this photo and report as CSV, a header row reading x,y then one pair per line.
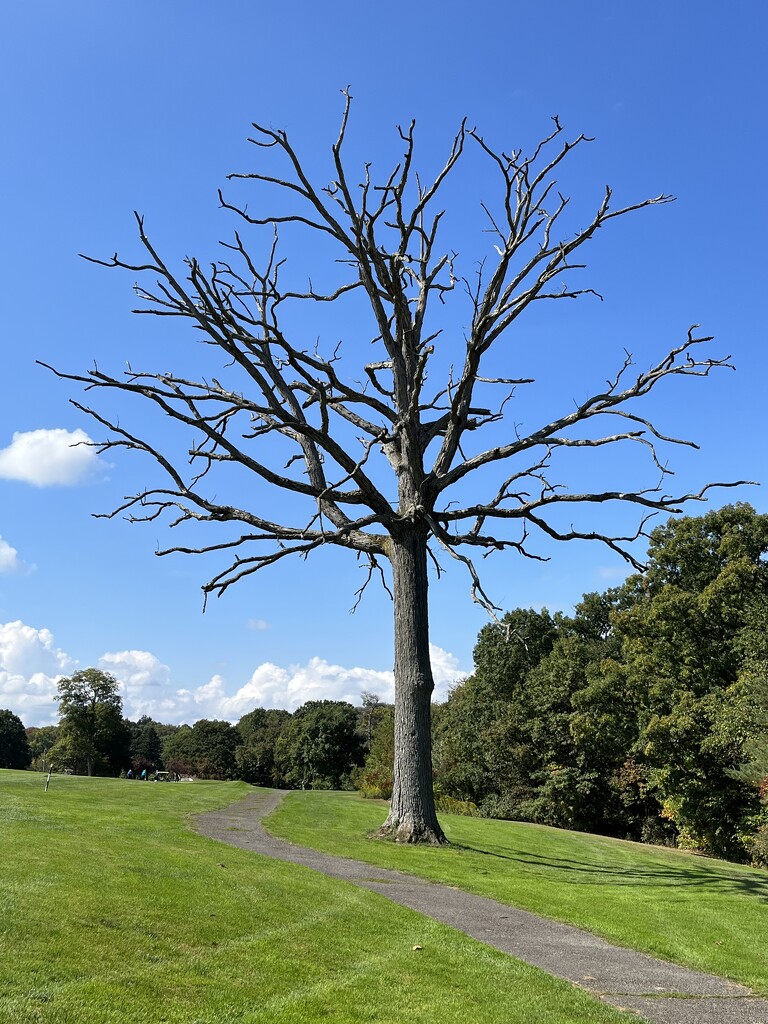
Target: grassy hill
x,y
707,914
113,911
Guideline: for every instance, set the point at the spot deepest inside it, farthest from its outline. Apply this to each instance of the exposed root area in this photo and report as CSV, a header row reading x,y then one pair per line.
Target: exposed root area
x,y
409,832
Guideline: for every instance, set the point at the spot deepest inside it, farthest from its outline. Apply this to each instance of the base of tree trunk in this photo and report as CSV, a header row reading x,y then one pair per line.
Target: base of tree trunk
x,y
411,832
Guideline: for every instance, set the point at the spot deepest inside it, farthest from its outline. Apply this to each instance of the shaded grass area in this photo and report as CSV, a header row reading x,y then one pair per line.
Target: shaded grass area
x,y
113,911
705,914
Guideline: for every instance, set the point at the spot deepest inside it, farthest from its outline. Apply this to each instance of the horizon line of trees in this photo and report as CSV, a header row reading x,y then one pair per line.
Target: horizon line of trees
x,y
317,746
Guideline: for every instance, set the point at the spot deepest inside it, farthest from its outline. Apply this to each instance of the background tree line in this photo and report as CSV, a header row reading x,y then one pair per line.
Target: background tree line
x,y
316,747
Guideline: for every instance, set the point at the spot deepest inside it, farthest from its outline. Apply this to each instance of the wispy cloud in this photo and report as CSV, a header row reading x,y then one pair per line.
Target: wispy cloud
x,y
612,572
9,557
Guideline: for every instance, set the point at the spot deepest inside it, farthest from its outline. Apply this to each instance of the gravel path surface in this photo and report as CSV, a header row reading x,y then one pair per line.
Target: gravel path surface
x,y
659,991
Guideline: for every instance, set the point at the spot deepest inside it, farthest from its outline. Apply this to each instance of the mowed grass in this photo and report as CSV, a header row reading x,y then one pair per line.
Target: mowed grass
x,y
706,914
112,910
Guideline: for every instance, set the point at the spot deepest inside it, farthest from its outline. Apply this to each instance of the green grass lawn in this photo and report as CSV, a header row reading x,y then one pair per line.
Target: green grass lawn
x,y
113,911
706,914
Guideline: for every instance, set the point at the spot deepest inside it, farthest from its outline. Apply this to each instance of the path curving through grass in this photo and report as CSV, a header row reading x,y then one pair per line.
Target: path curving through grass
x,y
114,911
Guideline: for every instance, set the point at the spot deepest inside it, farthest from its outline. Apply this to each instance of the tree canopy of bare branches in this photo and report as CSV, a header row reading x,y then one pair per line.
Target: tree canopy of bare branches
x,y
382,458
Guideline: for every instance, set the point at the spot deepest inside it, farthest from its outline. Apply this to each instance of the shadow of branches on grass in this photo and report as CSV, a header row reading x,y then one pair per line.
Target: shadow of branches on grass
x,y
703,875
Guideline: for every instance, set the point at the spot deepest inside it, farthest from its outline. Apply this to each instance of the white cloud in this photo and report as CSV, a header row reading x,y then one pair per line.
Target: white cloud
x,y
147,689
274,687
145,682
9,557
445,671
257,624
46,458
30,667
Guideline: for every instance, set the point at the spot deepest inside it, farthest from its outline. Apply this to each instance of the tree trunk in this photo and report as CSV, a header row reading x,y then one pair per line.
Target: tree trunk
x,y
412,817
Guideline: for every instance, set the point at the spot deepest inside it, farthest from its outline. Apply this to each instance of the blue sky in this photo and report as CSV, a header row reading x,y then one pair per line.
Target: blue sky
x,y
107,108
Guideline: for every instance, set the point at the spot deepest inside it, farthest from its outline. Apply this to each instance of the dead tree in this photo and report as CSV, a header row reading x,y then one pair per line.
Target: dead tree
x,y
374,449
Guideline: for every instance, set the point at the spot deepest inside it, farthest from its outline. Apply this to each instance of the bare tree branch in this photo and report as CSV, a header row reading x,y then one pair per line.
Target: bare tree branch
x,y
328,427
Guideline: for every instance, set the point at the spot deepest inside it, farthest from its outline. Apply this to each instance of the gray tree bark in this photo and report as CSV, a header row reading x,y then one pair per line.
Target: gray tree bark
x,y
412,816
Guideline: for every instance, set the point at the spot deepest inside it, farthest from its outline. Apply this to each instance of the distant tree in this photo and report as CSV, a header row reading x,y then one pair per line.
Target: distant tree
x,y
465,747
214,744
670,704
643,715
179,751
570,781
41,739
376,776
507,650
693,552
206,749
254,725
146,748
686,643
752,642
161,728
370,716
319,746
14,745
93,734
384,444
753,770
68,754
259,731
484,749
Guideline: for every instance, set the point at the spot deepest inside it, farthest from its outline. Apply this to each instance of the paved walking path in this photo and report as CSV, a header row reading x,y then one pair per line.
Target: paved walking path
x,y
659,991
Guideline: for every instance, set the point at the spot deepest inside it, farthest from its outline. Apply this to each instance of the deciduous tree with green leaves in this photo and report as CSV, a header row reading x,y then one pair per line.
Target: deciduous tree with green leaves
x,y
259,732
646,713
146,746
14,745
215,743
319,745
41,739
683,655
93,733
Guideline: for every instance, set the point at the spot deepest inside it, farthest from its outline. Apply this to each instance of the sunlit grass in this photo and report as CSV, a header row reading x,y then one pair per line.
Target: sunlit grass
x,y
706,914
113,911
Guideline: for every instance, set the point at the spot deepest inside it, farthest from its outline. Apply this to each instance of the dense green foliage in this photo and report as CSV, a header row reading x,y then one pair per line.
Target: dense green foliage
x,y
146,746
316,747
41,739
374,779
14,745
643,715
319,745
93,737
259,731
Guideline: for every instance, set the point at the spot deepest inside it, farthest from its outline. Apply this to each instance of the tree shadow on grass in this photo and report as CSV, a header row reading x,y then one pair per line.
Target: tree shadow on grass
x,y
691,874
